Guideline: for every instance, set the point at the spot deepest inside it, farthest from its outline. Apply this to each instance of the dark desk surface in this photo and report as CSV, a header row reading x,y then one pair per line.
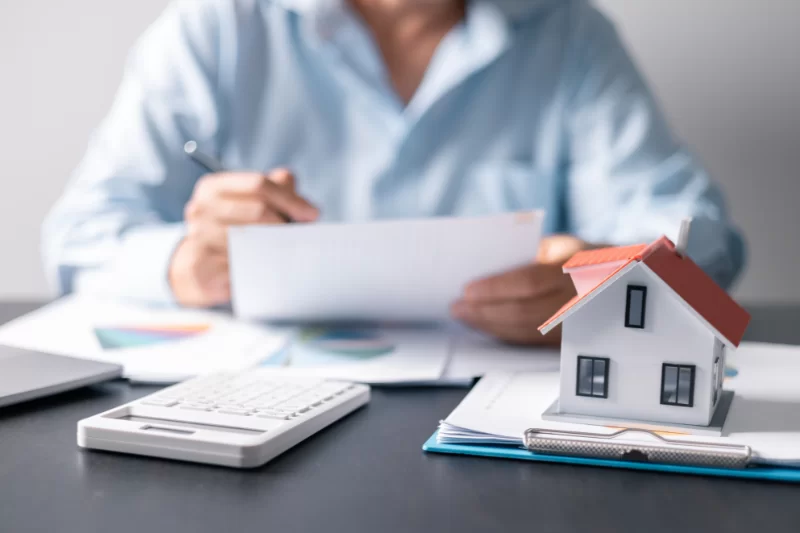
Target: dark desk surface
x,y
366,473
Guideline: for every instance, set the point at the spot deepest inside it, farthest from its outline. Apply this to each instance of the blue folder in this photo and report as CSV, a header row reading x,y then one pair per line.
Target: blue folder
x,y
771,473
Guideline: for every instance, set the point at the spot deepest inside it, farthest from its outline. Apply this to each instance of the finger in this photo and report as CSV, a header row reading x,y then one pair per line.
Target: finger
x,y
230,184
280,196
233,210
287,202
530,312
513,320
529,281
283,178
508,312
514,334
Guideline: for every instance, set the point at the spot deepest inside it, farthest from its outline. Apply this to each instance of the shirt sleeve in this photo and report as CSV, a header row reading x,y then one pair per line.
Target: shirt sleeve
x,y
115,228
629,179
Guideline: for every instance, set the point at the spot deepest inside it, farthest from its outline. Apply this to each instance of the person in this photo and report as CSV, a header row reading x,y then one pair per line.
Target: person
x,y
351,110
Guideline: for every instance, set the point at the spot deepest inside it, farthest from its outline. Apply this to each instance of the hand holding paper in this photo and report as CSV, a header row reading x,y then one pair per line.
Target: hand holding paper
x,y
199,269
510,306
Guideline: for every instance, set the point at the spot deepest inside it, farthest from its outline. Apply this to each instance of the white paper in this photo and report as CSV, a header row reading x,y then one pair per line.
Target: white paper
x,y
765,413
424,355
450,355
385,270
475,354
503,405
66,327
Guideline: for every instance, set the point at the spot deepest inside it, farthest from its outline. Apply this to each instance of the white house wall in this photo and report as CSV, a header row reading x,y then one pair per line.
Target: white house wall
x,y
719,351
671,335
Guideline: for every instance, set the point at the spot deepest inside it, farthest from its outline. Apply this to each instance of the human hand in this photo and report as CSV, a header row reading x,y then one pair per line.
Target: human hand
x,y
198,272
511,306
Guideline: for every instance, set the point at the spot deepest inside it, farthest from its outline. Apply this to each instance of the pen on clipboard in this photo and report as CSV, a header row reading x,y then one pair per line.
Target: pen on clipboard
x,y
614,446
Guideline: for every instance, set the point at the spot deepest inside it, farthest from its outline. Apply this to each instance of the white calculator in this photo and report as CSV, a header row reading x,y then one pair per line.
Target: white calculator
x,y
240,419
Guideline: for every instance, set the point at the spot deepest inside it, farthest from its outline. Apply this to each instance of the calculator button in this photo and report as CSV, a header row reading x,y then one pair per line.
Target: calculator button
x,y
201,401
274,416
229,405
233,411
195,407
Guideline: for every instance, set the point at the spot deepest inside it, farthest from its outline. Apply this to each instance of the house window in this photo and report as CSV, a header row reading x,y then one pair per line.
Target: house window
x,y
592,377
635,306
677,384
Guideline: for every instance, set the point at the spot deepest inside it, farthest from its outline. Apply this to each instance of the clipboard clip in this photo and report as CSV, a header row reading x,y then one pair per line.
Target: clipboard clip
x,y
616,447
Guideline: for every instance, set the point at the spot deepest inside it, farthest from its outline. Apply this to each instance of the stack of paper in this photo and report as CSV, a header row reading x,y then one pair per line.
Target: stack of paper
x,y
170,345
765,413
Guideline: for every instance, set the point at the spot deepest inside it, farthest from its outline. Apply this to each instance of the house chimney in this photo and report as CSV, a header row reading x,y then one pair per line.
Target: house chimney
x,y
683,236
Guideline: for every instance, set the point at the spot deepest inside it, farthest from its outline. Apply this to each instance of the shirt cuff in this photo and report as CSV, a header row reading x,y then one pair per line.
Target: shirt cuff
x,y
141,268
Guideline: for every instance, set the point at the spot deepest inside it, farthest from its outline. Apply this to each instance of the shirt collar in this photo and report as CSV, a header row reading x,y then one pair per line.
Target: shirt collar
x,y
511,9
326,17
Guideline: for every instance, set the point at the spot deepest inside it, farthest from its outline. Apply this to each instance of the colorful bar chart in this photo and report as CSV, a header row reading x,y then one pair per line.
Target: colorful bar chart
x,y
116,337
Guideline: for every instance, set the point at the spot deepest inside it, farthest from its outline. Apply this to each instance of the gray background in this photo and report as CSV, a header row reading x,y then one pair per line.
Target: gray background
x,y
726,71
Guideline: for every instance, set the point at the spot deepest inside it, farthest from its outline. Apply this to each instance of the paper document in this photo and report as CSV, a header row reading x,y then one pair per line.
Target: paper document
x,y
157,345
474,354
432,355
153,345
765,413
386,270
375,355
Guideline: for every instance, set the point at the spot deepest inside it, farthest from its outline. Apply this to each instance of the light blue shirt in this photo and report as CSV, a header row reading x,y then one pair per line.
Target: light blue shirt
x,y
526,104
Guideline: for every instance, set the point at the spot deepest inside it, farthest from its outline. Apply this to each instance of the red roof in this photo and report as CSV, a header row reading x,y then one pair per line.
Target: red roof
x,y
687,279
604,255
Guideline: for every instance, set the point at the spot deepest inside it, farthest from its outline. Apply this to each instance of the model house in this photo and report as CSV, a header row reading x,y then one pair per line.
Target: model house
x,y
646,336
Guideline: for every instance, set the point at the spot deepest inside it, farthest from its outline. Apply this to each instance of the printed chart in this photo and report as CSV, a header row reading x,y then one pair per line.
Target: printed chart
x,y
116,337
326,346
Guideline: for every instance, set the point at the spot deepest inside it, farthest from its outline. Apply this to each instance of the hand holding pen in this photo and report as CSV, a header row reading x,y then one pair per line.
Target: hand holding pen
x,y
198,272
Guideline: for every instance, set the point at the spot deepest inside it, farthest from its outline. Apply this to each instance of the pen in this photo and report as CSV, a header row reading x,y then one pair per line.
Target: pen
x,y
206,161
212,164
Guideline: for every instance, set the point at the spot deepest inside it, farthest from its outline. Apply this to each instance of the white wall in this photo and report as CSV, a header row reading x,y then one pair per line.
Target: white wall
x,y
726,71
60,64
728,74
